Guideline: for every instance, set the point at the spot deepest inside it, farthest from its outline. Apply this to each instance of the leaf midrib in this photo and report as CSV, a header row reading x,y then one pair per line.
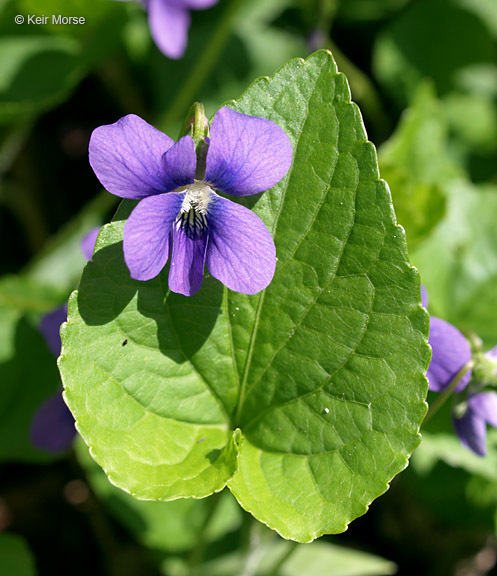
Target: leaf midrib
x,y
243,386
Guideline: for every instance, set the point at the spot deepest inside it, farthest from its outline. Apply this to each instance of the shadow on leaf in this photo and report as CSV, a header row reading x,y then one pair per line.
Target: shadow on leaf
x,y
182,324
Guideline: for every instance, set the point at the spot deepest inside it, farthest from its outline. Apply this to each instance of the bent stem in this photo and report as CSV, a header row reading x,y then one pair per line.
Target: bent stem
x,y
447,392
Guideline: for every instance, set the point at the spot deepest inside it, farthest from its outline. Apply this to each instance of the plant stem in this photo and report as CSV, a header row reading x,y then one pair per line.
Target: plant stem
x,y
292,546
447,392
116,77
250,545
202,68
197,554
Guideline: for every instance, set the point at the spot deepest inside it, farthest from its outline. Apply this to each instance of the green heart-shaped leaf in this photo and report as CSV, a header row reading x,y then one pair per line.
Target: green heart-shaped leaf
x,y
306,399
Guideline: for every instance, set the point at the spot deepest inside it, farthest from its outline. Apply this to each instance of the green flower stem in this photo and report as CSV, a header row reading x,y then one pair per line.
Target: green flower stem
x,y
202,68
447,392
22,195
198,553
116,77
250,545
292,547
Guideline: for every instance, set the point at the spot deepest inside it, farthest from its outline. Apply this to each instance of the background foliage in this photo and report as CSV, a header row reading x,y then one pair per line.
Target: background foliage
x,y
425,77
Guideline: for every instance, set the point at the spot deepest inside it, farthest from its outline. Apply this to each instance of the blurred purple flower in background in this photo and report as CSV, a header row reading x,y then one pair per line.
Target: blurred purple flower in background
x,y
245,155
451,351
471,427
52,427
169,21
50,328
88,243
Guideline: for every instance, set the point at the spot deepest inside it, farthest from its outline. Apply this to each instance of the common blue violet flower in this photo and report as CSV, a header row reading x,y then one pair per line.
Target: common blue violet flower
x,y
169,21
52,428
178,205
471,427
450,353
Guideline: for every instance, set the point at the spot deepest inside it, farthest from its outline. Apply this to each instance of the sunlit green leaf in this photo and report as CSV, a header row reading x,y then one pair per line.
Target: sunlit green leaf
x,y
306,399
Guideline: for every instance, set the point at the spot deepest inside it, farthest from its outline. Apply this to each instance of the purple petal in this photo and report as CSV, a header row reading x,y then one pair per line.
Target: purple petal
x,y
50,328
192,4
484,405
472,432
169,25
246,154
187,261
88,242
179,164
451,352
424,296
127,157
241,252
147,232
52,427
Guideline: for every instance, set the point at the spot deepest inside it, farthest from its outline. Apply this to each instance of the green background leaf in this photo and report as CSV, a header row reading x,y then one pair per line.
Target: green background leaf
x,y
306,398
316,559
28,376
41,64
448,448
401,60
458,262
60,263
416,165
16,558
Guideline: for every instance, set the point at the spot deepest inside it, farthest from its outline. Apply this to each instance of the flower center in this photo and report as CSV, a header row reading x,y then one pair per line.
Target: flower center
x,y
192,217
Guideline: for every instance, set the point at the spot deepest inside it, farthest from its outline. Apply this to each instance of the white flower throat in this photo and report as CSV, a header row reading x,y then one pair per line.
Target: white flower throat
x,y
192,217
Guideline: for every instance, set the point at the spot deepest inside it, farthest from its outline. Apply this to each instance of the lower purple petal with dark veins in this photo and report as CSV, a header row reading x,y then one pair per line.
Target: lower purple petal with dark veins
x,y
187,261
241,252
484,405
147,234
169,25
450,352
472,432
50,328
52,427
